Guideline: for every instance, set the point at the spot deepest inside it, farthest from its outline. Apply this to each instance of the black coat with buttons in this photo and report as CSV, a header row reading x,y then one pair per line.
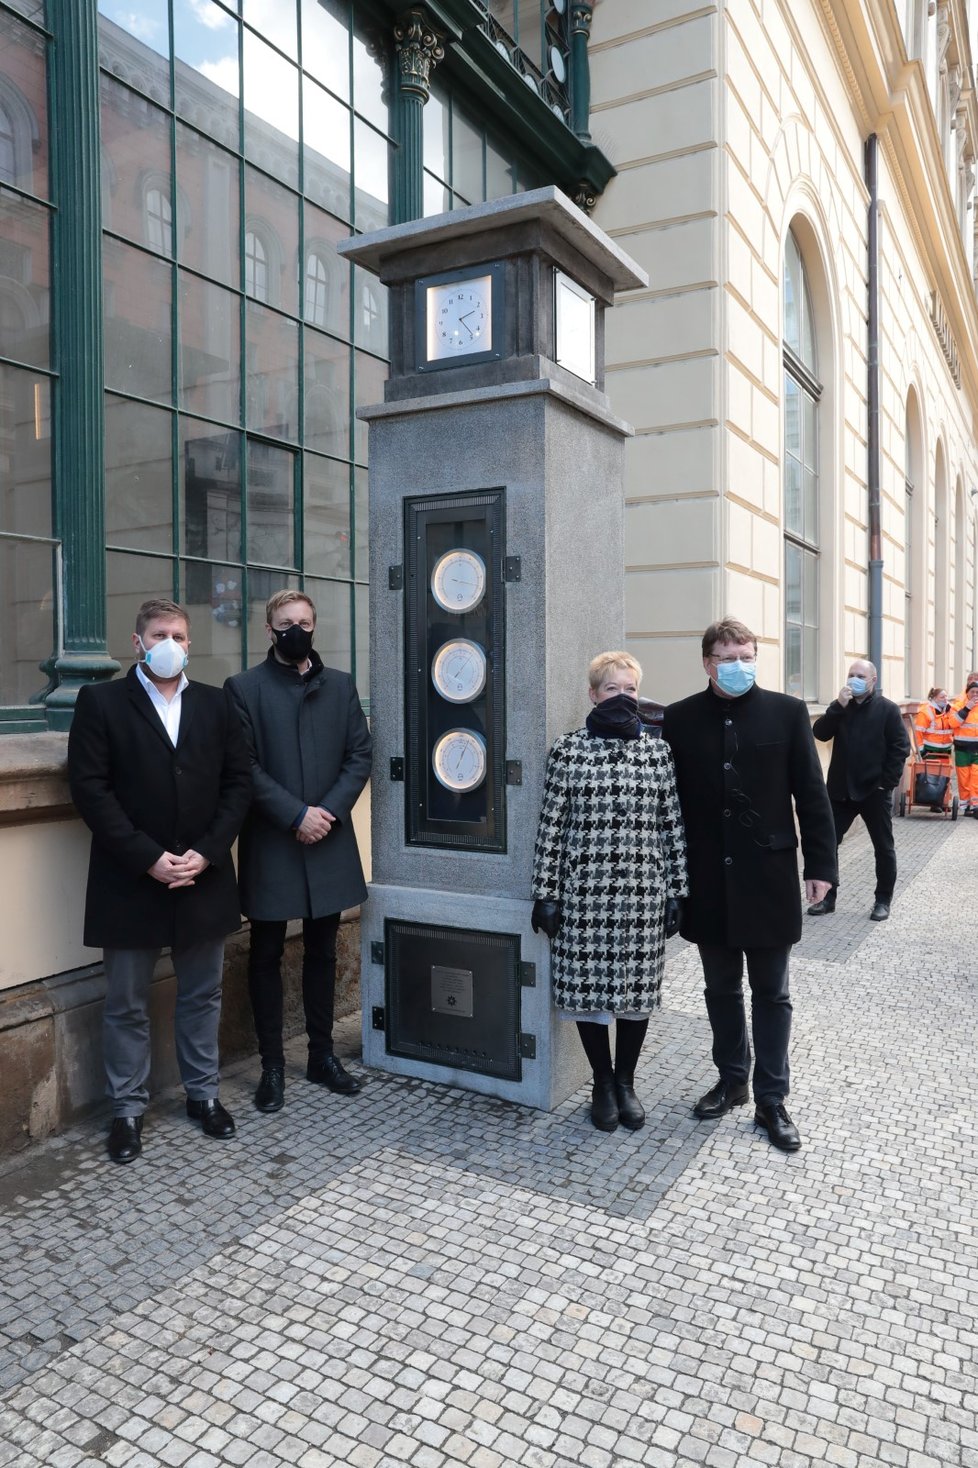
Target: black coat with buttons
x,y
746,768
140,796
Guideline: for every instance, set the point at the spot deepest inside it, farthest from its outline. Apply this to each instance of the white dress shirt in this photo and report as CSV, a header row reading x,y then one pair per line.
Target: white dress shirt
x,y
168,712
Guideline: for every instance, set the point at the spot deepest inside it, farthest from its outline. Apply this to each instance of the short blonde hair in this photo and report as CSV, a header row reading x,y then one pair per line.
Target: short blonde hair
x,y
283,599
606,662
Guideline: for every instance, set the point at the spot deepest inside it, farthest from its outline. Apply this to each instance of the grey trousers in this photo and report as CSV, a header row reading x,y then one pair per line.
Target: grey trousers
x,y
125,1026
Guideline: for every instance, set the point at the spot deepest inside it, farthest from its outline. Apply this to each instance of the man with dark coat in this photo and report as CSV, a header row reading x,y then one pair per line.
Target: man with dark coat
x,y
298,857
160,774
746,767
869,750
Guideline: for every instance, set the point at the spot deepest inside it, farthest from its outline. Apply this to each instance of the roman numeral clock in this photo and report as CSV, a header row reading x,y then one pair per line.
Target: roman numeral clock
x,y
496,570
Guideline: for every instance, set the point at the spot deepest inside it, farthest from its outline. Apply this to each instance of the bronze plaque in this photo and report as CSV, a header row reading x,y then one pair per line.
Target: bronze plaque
x,y
451,991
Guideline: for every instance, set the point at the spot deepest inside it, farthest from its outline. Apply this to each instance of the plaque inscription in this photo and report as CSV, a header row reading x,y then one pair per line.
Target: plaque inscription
x,y
451,991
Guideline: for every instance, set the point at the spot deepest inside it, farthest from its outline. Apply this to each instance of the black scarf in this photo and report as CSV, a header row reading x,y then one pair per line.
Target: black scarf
x,y
615,718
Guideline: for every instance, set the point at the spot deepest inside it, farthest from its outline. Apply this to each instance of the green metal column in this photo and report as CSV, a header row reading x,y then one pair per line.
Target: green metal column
x,y
580,76
79,451
419,49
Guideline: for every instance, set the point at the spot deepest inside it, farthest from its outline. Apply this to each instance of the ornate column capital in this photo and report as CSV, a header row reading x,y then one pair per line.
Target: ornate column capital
x,y
581,15
419,50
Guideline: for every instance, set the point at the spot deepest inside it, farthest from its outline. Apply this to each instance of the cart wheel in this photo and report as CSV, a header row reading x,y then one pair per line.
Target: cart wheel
x,y
954,809
903,802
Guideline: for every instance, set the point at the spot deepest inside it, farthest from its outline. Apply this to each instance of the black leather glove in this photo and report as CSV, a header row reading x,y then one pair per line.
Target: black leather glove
x,y
545,917
673,916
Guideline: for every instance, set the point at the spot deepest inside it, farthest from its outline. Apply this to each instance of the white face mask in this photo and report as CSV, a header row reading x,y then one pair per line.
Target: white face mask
x,y
166,659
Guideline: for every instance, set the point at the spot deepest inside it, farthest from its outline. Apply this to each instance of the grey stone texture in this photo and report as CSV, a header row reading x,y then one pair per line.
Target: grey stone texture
x,y
429,1276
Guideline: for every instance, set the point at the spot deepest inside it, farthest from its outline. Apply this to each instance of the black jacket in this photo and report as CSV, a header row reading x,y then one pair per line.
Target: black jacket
x,y
745,767
140,796
870,746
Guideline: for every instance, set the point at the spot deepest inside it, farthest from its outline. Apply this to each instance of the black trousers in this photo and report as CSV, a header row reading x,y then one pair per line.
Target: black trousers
x,y
767,972
318,984
877,813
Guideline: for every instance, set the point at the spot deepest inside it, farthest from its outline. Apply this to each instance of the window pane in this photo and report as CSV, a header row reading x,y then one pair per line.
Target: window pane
x,y
262,585
792,417
137,322
27,626
793,509
437,198
792,294
23,108
33,9
25,452
24,281
130,580
792,662
210,350
271,505
271,115
213,597
208,84
326,516
466,158
328,305
370,317
811,507
435,122
210,491
372,166
147,22
326,150
361,539
272,386
327,394
370,50
207,203
275,21
136,194
334,633
326,43
138,477
272,217
499,173
370,378
792,583
362,640
810,435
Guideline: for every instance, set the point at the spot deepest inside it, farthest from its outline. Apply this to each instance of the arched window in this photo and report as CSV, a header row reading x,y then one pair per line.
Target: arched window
x,y
802,391
159,219
256,267
370,313
317,290
8,147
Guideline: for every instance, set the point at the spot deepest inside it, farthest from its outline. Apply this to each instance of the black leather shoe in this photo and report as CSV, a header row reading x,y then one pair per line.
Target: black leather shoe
x,y
125,1139
880,912
214,1120
631,1112
329,1072
819,909
780,1129
270,1095
604,1104
724,1096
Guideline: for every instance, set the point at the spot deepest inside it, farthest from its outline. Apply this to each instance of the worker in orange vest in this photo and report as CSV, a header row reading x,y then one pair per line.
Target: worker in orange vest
x,y
933,725
965,734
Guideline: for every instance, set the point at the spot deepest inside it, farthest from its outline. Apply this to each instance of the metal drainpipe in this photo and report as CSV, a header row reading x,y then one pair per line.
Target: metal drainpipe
x,y
873,406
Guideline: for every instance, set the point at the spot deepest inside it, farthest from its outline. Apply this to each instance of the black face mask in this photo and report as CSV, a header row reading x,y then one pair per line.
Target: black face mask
x,y
615,718
293,643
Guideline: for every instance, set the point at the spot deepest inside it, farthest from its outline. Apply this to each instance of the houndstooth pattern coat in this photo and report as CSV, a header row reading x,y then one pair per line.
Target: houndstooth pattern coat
x,y
610,848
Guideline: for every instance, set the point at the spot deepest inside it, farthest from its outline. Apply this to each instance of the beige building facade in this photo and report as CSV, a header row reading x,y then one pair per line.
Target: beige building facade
x,y
741,134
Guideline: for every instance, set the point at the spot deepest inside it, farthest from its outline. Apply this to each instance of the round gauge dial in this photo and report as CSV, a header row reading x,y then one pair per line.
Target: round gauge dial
x,y
458,670
458,582
459,760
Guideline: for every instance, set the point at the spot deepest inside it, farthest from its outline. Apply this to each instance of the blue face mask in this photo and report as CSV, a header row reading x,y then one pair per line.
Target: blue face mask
x,y
858,685
736,678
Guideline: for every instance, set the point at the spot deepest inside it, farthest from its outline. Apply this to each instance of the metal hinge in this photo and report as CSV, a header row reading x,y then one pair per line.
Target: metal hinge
x,y
377,953
395,578
528,1047
397,768
512,568
528,975
514,772
378,1019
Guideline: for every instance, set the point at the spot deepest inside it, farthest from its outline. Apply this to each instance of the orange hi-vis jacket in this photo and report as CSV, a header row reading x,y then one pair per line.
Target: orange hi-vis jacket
x,y
934,731
964,726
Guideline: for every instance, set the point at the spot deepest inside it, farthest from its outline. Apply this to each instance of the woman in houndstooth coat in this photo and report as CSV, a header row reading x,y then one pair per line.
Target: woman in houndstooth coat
x,y
608,872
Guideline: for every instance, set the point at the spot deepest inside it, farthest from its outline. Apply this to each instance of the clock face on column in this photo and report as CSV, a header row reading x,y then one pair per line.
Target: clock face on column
x,y
459,760
458,581
459,318
458,670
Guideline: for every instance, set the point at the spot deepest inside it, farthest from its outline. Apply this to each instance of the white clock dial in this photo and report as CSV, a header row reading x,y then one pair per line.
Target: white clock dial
x,y
458,582
458,670
459,760
459,318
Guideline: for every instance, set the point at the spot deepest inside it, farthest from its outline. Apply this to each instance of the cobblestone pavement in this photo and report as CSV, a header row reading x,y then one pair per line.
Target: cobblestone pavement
x,y
419,1275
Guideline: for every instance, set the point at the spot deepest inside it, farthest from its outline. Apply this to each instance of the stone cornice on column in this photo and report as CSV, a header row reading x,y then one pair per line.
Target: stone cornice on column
x,y
33,779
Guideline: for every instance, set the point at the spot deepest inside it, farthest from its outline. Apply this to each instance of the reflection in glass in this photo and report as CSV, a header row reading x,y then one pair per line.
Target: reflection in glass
x,y
272,384
137,321
271,109
136,161
327,394
333,621
370,317
210,491
271,499
25,452
23,108
208,220
207,74
322,232
27,618
370,99
131,579
372,165
147,22
499,173
276,22
437,198
362,640
326,516
213,595
138,478
261,586
272,223
371,375
255,267
467,177
24,284
326,150
326,43
436,124
210,353
361,540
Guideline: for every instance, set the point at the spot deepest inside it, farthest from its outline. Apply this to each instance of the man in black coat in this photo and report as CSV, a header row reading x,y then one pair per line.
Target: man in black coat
x,y
310,752
160,774
869,749
746,768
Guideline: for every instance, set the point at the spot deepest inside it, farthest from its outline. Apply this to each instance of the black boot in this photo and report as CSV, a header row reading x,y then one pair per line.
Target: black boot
x,y
628,1045
597,1048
